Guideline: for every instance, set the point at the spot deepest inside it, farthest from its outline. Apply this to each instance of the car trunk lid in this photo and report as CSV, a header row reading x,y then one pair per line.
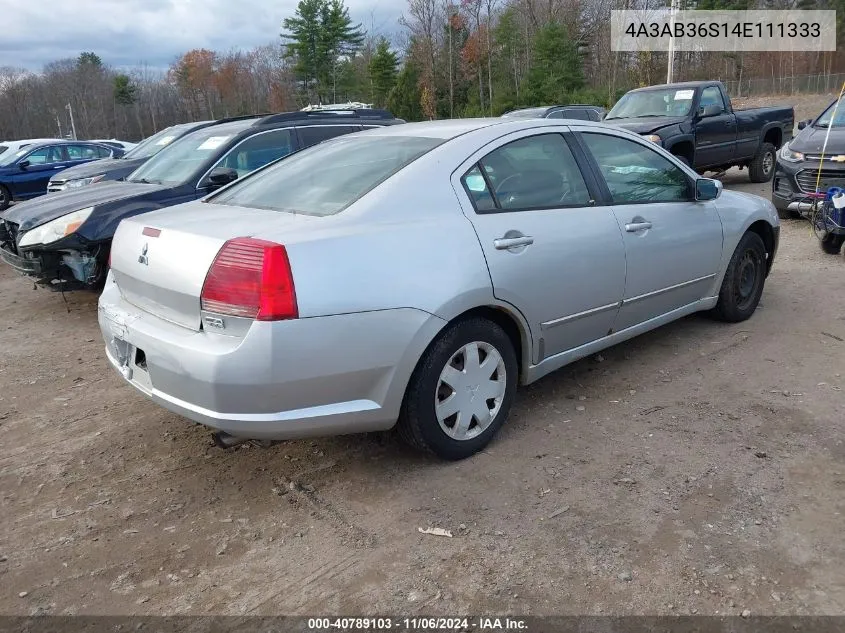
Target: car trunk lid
x,y
160,260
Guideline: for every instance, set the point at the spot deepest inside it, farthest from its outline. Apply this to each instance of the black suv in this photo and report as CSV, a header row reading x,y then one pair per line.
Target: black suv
x,y
63,239
579,111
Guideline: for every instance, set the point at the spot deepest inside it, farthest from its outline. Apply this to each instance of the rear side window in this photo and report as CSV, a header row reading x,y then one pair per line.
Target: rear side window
x,y
317,134
326,179
84,152
103,152
537,172
635,173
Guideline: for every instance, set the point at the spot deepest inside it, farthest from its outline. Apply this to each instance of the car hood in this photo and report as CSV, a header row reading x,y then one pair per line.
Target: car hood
x,y
97,167
54,205
810,140
646,125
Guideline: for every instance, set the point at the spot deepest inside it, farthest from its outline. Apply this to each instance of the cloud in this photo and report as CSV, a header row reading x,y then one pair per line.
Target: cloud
x,y
155,32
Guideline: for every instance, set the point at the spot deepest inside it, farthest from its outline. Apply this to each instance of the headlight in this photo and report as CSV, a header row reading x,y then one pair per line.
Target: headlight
x,y
56,229
653,138
81,182
789,156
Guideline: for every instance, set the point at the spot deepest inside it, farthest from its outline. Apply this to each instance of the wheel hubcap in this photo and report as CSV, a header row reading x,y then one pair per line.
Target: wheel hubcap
x,y
768,162
470,391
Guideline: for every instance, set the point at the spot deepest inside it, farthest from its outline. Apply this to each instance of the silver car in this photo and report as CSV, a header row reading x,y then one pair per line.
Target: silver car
x,y
414,275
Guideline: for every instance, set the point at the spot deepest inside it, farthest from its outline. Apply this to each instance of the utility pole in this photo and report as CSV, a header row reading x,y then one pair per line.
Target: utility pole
x,y
72,124
671,57
59,123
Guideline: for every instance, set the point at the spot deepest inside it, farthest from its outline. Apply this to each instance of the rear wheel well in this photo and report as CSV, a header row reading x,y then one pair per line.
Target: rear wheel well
x,y
767,234
684,149
507,322
774,136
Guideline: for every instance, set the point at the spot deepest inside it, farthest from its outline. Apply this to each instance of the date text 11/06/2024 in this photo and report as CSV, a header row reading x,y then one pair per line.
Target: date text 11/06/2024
x,y
417,624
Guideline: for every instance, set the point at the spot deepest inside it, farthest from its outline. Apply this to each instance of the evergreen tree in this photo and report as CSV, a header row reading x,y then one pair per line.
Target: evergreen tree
x,y
321,35
383,72
556,66
125,92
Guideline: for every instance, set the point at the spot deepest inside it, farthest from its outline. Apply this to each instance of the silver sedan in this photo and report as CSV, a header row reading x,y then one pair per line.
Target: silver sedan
x,y
413,276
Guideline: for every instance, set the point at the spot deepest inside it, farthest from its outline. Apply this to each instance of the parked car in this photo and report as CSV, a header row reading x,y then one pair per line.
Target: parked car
x,y
696,122
14,146
579,111
117,168
63,239
418,273
797,170
24,174
113,142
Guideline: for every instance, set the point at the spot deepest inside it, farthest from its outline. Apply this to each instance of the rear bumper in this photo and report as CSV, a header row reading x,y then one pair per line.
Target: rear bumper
x,y
282,380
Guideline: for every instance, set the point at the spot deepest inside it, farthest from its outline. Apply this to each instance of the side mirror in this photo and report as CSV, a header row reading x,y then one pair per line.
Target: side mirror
x,y
23,164
803,124
709,110
221,176
707,189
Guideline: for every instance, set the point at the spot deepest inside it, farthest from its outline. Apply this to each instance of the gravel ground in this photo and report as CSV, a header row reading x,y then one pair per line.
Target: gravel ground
x,y
697,469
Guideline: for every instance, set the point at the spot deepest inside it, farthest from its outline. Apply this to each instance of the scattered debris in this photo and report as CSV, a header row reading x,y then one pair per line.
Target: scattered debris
x,y
580,408
435,531
651,410
760,454
625,576
625,480
834,337
23,594
558,512
61,515
746,613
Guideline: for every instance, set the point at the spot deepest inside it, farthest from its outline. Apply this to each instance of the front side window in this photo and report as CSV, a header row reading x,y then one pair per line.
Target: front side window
x,y
257,151
712,96
827,119
45,156
635,173
325,179
537,172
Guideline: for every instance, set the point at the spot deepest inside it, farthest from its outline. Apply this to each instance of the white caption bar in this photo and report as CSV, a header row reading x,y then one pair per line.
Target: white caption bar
x,y
735,31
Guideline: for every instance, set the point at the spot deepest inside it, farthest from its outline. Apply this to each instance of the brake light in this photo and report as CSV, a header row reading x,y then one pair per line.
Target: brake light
x,y
250,278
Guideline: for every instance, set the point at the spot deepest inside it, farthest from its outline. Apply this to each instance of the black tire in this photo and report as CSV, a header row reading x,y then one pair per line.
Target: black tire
x,y
832,244
5,198
762,166
744,279
418,424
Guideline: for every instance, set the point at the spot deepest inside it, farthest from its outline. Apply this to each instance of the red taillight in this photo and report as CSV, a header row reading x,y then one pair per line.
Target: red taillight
x,y
251,278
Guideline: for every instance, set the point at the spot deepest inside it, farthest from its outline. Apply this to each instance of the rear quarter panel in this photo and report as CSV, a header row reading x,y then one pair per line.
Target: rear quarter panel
x,y
404,245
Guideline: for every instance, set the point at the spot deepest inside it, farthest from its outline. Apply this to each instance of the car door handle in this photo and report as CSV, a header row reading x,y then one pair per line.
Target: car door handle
x,y
633,227
59,166
505,243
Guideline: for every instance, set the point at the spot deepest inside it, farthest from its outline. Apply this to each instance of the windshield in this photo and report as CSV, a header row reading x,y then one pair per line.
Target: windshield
x,y
180,161
10,157
527,113
653,103
838,121
154,144
327,178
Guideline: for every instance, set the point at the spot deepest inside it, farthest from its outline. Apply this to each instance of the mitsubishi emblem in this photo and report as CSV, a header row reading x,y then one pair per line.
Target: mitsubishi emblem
x,y
143,259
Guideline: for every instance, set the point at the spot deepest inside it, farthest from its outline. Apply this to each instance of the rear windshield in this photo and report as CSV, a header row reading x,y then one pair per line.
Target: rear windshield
x,y
327,178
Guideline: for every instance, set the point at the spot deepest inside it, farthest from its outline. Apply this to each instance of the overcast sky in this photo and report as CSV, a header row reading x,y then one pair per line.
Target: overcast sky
x,y
128,32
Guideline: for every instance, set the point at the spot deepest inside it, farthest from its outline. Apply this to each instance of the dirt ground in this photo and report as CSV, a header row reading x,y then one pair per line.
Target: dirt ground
x,y
696,469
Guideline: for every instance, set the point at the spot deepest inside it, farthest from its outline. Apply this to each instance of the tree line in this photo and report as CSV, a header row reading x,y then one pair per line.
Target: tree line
x,y
447,58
